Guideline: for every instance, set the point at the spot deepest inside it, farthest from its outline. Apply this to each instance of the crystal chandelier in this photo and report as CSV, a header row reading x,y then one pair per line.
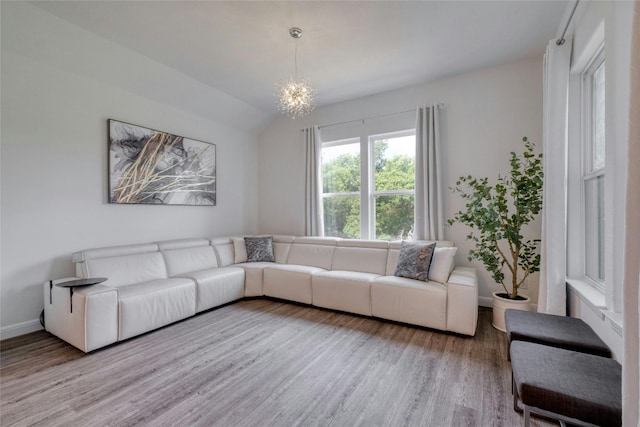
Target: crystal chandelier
x,y
295,95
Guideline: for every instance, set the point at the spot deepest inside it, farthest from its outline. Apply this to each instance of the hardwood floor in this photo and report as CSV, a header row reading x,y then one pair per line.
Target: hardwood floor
x,y
264,363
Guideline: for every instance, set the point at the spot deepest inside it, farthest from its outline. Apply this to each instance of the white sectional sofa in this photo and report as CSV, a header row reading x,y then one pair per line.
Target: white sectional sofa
x,y
155,284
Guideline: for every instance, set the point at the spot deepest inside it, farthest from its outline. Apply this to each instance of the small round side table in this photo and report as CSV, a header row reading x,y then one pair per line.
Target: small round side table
x,y
71,284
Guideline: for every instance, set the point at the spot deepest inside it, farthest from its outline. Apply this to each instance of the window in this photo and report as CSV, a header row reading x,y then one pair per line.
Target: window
x,y
368,186
341,188
593,176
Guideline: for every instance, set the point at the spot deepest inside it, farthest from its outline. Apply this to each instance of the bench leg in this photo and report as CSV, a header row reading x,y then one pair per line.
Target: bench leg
x,y
514,391
562,419
527,416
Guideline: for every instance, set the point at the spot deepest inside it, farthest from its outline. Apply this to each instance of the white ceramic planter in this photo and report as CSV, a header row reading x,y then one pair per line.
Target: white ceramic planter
x,y
501,304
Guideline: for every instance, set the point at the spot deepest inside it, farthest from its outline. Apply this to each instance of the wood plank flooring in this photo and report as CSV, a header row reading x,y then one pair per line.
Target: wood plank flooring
x,y
264,363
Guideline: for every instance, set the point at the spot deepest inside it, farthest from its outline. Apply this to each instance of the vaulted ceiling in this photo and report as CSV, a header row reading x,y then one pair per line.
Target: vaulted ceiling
x,y
349,49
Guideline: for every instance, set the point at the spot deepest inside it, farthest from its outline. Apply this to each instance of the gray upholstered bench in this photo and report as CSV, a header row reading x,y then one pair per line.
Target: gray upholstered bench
x,y
557,331
573,387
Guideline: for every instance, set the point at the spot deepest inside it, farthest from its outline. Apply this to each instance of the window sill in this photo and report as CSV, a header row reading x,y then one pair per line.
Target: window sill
x,y
595,299
587,293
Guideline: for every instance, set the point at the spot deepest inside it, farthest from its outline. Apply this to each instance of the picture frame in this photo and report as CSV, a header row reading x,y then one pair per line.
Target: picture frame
x,y
147,166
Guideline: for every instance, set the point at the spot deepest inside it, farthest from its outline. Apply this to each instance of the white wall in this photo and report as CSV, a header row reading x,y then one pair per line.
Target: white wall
x,y
486,114
54,157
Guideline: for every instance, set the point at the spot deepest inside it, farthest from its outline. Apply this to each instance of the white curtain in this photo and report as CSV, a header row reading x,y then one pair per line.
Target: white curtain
x,y
631,308
313,215
429,208
553,268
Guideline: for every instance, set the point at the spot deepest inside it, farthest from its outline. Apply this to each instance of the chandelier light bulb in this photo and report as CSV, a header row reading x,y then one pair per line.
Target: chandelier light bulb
x,y
295,97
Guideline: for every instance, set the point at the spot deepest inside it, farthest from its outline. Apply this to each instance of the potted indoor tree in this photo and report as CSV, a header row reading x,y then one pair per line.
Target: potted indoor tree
x,y
498,214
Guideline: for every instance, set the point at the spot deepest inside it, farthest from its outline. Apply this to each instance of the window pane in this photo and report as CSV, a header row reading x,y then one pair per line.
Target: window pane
x,y
394,163
598,119
341,168
394,217
594,228
342,216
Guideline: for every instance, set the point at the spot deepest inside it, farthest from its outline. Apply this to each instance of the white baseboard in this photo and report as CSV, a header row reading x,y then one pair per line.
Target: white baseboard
x,y
485,302
20,329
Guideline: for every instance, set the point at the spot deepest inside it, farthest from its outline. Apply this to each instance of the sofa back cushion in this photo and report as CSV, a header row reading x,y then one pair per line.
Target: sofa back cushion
x,y
127,269
281,248
365,256
312,251
181,261
223,247
168,245
112,251
442,264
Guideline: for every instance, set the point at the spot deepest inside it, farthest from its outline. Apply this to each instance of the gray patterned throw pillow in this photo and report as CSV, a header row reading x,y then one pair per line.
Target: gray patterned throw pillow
x,y
259,249
414,260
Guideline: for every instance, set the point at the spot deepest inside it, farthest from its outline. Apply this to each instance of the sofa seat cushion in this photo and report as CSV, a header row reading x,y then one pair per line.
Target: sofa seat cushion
x,y
289,281
410,301
253,277
217,286
150,305
343,290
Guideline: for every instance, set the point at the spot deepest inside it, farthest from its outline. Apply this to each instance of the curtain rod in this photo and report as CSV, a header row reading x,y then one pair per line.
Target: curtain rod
x,y
372,117
560,41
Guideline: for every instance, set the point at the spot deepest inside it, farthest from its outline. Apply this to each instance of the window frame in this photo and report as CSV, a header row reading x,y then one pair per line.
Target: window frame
x,y
592,242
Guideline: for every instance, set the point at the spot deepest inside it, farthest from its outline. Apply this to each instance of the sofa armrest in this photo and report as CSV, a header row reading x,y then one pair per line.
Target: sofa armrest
x,y
462,301
94,320
466,276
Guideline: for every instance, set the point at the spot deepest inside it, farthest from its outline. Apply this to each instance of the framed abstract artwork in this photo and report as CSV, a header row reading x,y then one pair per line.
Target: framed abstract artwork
x,y
147,166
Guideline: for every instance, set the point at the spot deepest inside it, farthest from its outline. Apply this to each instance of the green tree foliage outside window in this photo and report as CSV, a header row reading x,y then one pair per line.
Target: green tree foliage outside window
x,y
394,213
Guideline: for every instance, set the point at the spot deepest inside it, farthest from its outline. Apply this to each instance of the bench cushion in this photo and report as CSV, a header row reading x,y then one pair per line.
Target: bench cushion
x,y
577,385
557,331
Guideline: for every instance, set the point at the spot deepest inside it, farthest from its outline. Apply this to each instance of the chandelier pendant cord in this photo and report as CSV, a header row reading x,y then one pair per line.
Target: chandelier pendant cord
x,y
295,62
